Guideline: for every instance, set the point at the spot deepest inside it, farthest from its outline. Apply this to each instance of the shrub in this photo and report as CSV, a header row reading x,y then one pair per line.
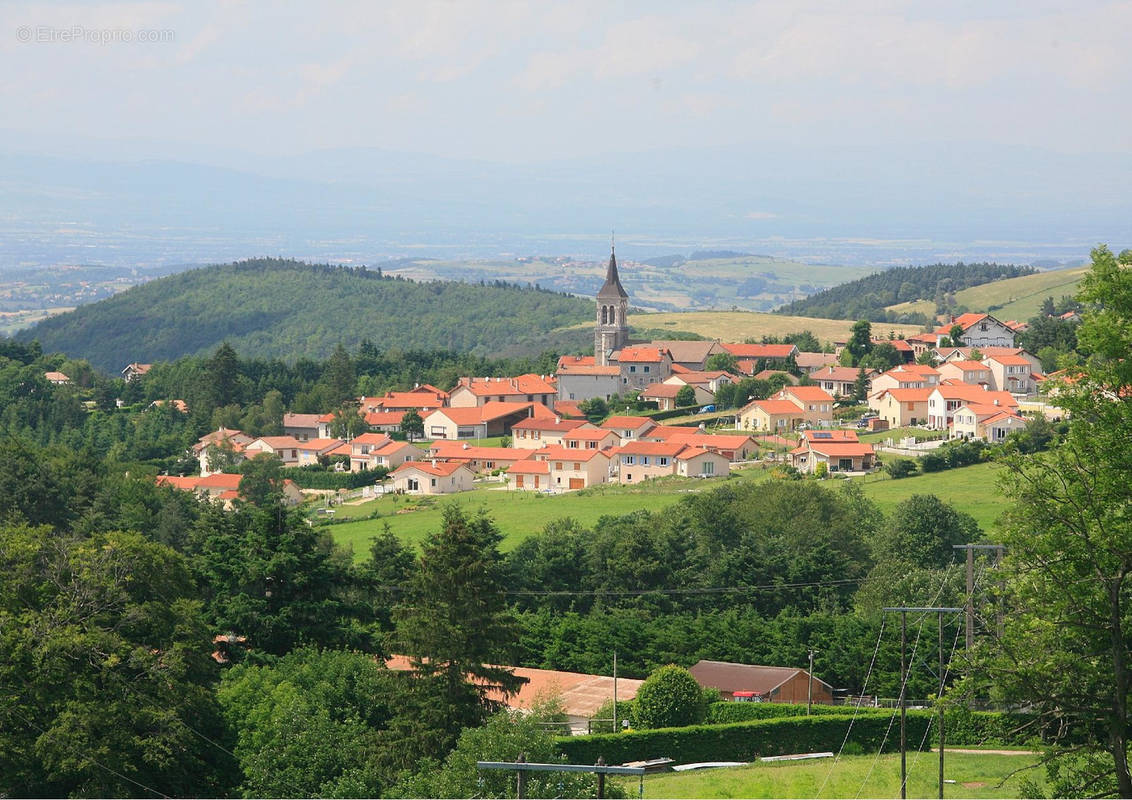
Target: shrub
x,y
900,467
727,712
670,696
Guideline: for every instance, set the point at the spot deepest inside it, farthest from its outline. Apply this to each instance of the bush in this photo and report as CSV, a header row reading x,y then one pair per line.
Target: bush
x,y
315,477
900,467
670,696
727,712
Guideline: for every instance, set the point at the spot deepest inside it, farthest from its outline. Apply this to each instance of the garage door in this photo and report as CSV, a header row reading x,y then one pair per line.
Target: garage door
x,y
577,483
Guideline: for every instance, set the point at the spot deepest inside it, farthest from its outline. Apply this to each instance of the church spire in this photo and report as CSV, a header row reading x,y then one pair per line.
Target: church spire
x,y
612,286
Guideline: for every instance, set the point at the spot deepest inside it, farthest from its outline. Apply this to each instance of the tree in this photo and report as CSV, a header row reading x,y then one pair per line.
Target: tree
x,y
455,623
347,422
222,457
860,386
860,342
1066,648
595,409
339,375
670,698
262,481
223,375
106,678
721,361
955,334
412,424
926,358
685,397
920,531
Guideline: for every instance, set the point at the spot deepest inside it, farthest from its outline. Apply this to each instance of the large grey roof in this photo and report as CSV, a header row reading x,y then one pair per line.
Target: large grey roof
x,y
612,286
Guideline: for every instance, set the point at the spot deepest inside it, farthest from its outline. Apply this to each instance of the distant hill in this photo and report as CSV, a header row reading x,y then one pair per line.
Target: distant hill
x,y
873,297
288,309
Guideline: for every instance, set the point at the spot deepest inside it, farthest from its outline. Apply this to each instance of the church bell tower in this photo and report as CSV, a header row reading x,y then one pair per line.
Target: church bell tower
x,y
612,329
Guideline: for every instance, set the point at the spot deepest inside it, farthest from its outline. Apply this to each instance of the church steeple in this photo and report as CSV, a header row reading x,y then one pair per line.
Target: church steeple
x,y
611,332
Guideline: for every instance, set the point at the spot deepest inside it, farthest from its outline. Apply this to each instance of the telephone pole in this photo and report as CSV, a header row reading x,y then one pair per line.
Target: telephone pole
x,y
903,611
971,548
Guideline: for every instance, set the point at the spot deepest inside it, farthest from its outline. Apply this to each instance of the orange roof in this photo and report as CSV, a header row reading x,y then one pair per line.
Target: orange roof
x,y
760,350
370,438
529,467
711,441
300,420
459,452
589,435
375,418
908,395
589,369
829,436
406,400
1011,361
548,424
845,449
903,371
809,394
557,452
829,373
575,361
389,448
975,394
219,480
568,408
440,468
665,432
814,360
520,384
662,390
318,445
969,366
651,448
626,422
279,442
491,410
186,484
776,407
642,353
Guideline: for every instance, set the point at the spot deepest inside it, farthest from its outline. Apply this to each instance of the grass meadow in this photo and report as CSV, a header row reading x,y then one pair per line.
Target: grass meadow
x,y
735,326
975,775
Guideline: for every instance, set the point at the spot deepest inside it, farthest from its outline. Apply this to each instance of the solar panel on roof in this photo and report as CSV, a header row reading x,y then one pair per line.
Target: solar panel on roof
x,y
822,435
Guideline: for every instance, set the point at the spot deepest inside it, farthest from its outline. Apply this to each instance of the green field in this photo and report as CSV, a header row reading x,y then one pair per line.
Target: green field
x,y
1013,298
520,514
971,489
735,326
517,513
981,775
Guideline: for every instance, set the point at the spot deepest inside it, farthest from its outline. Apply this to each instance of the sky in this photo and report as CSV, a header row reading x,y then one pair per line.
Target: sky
x,y
521,82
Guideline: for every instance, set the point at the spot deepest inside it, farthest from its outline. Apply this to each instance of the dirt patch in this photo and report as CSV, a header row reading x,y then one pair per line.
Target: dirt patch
x,y
973,784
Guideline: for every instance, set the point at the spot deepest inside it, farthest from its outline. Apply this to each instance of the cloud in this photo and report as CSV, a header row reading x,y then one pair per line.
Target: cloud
x,y
761,215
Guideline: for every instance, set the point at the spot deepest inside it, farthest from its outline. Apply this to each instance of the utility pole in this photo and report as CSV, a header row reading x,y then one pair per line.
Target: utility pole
x,y
615,728
971,548
810,687
903,611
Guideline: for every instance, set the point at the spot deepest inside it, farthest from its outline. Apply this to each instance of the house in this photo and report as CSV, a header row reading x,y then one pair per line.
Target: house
x,y
816,403
767,684
536,432
305,426
666,433
384,421
692,355
493,418
810,362
1012,373
974,373
224,487
945,398
131,372
590,438
628,427
529,388
581,696
901,407
571,469
587,381
311,450
479,459
223,439
905,376
638,461
56,378
421,399
431,477
906,351
389,454
568,409
839,381
285,448
642,365
576,361
839,450
179,406
733,447
989,422
664,395
774,416
709,379
978,330
531,474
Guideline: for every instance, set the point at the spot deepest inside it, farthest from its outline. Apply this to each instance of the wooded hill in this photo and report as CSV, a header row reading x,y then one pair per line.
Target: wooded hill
x,y
868,297
276,308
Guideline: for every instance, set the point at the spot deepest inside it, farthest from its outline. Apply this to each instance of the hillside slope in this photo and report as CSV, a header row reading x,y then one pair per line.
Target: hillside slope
x,y
289,310
1011,298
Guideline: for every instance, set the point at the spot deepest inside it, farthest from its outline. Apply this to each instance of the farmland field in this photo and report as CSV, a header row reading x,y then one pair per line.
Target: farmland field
x,y
1012,298
971,489
735,326
974,775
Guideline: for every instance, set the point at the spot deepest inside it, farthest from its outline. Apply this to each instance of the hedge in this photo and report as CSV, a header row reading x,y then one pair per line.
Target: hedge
x,y
747,741
725,711
318,478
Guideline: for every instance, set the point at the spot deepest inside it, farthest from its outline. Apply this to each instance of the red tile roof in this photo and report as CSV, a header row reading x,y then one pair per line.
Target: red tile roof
x,y
627,423
529,467
843,449
520,384
548,424
776,407
556,452
970,366
589,369
575,361
440,468
641,354
808,394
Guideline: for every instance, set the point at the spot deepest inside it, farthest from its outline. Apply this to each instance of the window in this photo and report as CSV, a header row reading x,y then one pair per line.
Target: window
x,y
577,467
558,465
633,368
433,482
646,369
709,468
628,476
662,461
413,485
630,460
644,459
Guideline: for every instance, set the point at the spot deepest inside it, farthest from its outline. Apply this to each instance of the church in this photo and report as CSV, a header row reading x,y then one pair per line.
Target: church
x,y
611,333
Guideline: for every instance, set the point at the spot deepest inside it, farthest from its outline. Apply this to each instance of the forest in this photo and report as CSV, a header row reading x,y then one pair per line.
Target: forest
x,y
277,308
869,297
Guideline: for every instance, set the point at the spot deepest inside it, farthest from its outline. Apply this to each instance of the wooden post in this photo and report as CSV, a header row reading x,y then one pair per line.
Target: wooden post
x,y
600,778
521,781
903,710
970,599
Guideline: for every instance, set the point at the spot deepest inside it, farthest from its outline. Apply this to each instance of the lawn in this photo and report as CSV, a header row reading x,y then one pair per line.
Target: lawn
x,y
975,775
896,434
518,513
971,489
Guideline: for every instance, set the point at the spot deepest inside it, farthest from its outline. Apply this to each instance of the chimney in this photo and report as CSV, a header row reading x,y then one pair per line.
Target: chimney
x,y
557,420
465,446
434,462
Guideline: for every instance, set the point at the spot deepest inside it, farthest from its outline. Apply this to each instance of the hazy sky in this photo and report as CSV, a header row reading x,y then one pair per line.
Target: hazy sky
x,y
520,80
